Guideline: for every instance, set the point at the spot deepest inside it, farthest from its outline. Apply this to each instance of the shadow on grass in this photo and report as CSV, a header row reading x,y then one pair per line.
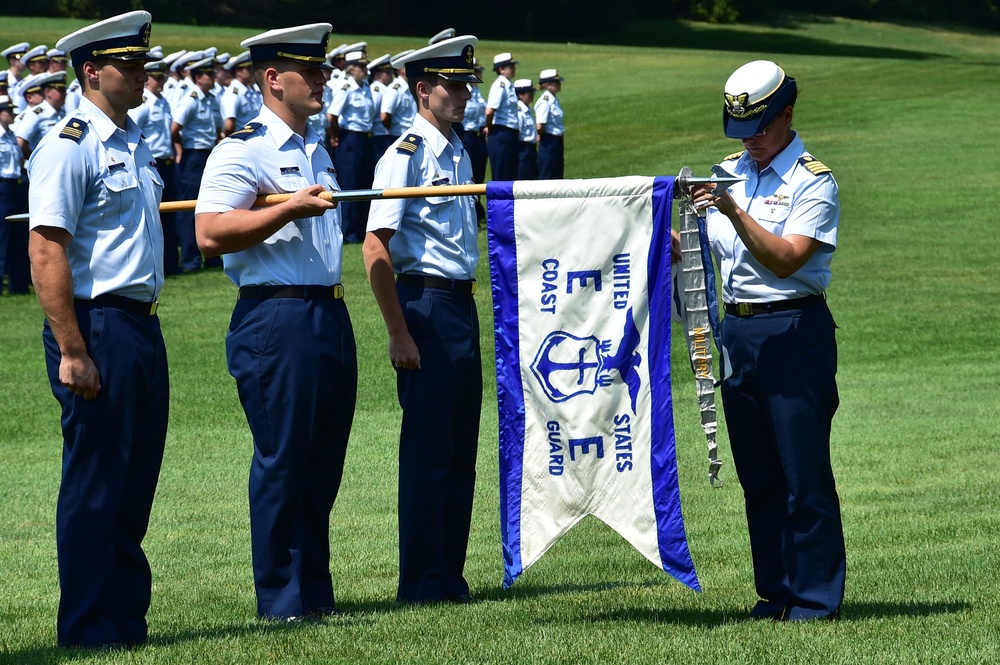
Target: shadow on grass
x,y
717,618
757,38
248,629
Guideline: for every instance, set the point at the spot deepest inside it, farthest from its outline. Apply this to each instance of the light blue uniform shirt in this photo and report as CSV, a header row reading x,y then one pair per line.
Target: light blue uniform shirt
x,y
10,156
74,93
240,103
14,92
198,114
527,132
353,106
319,122
275,160
402,106
549,112
436,235
503,101
37,122
104,190
475,110
154,118
379,98
786,199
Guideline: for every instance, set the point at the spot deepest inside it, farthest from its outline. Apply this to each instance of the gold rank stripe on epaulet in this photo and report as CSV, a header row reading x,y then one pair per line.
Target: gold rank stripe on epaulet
x,y
815,166
193,95
409,144
73,130
37,110
735,155
246,131
346,86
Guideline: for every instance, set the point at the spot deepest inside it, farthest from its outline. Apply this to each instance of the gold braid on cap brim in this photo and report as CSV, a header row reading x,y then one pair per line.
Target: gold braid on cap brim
x,y
118,51
432,70
301,58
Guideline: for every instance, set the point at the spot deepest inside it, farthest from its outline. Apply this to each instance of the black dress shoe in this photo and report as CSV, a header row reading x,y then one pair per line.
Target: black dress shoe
x,y
766,610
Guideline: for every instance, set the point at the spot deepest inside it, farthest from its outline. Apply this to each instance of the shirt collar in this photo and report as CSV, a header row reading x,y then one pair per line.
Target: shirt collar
x,y
435,139
104,126
281,133
784,162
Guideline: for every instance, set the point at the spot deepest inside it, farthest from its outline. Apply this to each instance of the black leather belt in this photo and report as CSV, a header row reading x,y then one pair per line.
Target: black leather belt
x,y
354,131
466,286
502,128
308,291
746,309
121,302
14,180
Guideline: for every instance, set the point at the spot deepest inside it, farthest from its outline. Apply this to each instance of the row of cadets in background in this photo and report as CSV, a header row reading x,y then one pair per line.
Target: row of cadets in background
x,y
369,107
504,124
13,200
36,74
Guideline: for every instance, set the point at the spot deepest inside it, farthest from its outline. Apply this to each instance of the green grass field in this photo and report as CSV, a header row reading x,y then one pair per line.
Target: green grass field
x,y
907,118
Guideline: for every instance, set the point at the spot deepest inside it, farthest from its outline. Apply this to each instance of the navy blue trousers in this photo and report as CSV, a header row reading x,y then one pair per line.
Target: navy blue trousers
x,y
527,161
191,168
551,161
355,170
296,369
112,450
14,236
475,145
167,169
779,404
438,441
381,143
502,148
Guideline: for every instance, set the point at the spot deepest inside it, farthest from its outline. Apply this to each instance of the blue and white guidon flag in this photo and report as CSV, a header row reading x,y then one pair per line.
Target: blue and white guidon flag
x,y
581,291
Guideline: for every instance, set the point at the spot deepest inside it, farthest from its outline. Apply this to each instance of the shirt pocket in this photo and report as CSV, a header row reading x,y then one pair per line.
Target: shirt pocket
x,y
152,187
772,216
290,183
441,211
122,199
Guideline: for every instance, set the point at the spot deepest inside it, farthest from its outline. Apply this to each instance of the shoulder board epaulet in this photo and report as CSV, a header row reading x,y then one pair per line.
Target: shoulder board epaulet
x,y
193,95
145,99
503,84
234,90
73,130
409,144
735,155
815,166
396,86
246,132
346,86
38,109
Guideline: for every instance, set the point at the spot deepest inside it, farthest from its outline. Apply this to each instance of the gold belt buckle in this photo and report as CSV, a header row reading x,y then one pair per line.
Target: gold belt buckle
x,y
744,308
153,306
338,291
475,287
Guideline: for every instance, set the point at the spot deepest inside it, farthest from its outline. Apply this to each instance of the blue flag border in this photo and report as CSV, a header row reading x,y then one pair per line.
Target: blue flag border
x,y
673,549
